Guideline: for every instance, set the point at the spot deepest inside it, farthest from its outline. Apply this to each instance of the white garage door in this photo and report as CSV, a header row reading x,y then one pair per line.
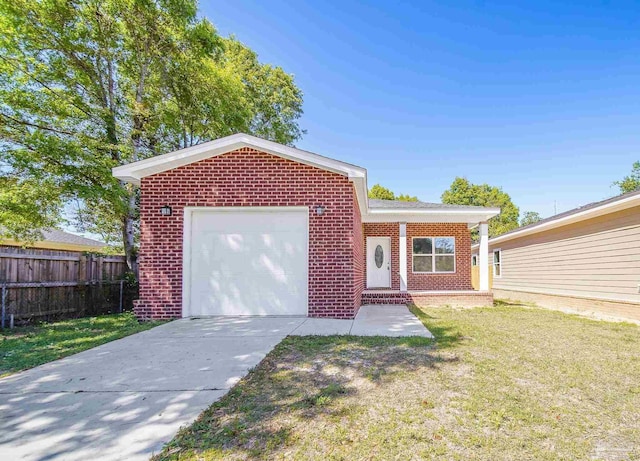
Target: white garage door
x,y
250,261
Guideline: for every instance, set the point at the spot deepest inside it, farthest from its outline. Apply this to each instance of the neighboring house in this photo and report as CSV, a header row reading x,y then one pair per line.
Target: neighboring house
x,y
586,259
55,239
244,226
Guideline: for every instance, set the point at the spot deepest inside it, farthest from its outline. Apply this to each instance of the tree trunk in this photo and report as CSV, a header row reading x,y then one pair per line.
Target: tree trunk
x,y
136,144
128,236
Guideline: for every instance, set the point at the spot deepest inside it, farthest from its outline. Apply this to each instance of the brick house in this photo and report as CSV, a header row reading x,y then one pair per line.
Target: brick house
x,y
245,226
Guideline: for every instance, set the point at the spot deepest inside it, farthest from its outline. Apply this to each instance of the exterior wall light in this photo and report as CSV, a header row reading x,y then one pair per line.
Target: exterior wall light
x,y
166,210
320,210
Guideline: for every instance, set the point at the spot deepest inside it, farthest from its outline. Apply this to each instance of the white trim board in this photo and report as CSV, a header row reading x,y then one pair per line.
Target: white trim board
x,y
134,173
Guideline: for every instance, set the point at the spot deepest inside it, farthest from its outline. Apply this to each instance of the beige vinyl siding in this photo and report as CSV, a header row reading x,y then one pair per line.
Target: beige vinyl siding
x,y
596,258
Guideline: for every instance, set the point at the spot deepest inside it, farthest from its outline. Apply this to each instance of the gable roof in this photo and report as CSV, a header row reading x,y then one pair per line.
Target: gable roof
x,y
370,209
588,211
55,239
134,172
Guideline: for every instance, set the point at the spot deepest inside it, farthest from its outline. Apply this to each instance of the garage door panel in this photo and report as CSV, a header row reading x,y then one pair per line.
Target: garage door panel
x,y
249,263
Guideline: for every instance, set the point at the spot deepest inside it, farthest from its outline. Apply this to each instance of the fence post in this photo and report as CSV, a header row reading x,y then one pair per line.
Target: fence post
x,y
121,290
4,303
82,268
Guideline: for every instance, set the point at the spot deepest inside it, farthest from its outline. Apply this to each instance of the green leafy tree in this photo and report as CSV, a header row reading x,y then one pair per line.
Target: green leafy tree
x,y
89,85
406,198
26,207
530,217
631,182
382,193
463,192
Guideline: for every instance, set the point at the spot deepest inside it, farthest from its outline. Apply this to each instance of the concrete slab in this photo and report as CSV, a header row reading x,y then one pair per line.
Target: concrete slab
x,y
124,400
388,320
323,327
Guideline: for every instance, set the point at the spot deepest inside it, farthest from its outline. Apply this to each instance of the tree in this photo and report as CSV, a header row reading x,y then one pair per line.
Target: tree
x,y
25,208
406,198
632,182
382,193
530,217
463,192
86,86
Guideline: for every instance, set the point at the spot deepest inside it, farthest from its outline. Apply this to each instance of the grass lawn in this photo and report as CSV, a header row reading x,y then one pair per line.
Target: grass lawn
x,y
501,383
27,347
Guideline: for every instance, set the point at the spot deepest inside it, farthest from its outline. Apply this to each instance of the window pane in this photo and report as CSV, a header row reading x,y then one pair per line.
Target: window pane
x,y
422,264
379,256
496,257
496,269
445,245
474,261
422,246
445,263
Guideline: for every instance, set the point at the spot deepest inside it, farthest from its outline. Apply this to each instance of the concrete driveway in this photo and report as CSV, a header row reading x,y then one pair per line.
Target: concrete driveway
x,y
125,399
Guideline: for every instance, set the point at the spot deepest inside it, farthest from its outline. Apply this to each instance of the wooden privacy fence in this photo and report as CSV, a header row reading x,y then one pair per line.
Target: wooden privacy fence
x,y
475,277
48,284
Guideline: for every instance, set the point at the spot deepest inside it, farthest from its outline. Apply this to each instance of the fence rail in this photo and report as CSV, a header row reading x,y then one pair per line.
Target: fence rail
x,y
49,284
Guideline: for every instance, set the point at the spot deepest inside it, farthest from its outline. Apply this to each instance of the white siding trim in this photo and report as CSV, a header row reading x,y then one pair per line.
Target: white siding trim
x,y
484,256
402,259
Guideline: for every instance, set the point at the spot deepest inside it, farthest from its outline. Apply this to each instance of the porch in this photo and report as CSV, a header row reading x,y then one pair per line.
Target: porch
x,y
455,298
424,263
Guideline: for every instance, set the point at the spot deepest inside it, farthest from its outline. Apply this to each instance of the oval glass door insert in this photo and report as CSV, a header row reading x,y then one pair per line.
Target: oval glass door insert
x,y
379,256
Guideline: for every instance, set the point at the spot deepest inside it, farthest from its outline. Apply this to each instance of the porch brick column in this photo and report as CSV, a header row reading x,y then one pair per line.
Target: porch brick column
x,y
483,254
402,260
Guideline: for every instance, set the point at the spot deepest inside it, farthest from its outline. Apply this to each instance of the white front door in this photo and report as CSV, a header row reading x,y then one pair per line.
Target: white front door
x,y
378,262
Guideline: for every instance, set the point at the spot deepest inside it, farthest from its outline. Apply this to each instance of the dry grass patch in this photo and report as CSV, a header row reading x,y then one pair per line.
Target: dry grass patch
x,y
498,383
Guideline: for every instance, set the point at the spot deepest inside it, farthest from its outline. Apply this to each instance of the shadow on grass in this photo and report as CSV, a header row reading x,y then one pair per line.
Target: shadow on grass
x,y
302,379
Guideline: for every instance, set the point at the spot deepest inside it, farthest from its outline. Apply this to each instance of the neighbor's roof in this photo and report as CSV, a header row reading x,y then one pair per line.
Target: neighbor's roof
x,y
55,239
589,211
396,211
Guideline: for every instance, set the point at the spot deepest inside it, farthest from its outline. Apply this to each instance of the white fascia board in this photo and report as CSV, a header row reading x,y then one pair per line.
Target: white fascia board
x,y
470,216
607,208
134,172
360,186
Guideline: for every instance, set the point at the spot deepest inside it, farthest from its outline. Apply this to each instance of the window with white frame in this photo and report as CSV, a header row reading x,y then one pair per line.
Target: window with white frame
x,y
434,254
497,263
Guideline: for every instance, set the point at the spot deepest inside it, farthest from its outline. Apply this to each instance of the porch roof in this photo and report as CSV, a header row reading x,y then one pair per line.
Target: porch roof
x,y
401,211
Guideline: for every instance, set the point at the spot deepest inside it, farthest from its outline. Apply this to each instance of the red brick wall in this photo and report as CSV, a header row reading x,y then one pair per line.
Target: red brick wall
x,y
386,229
247,177
359,281
460,280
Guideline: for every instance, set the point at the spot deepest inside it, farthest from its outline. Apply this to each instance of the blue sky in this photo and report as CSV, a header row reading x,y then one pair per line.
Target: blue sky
x,y
540,98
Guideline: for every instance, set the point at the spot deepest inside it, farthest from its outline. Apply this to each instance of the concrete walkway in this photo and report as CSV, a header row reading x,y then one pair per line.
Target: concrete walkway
x,y
372,320
124,400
